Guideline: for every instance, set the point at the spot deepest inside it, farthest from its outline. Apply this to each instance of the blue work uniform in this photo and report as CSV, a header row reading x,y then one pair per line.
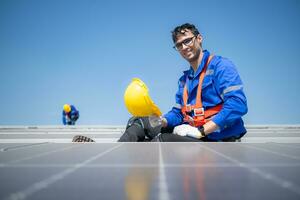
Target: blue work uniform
x,y
71,117
221,85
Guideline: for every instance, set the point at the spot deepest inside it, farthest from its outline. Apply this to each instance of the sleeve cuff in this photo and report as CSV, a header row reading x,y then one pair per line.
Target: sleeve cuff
x,y
168,119
219,121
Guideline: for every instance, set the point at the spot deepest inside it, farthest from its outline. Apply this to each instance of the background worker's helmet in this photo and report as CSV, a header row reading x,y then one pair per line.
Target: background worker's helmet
x,y
67,108
138,101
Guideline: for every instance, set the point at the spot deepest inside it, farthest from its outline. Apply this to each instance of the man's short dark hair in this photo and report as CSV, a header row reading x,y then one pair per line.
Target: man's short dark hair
x,y
182,28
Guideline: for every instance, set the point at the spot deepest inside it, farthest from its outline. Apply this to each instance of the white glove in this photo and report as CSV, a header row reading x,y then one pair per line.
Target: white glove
x,y
187,130
181,129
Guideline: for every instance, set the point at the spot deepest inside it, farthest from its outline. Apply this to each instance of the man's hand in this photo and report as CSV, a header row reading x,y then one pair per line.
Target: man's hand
x,y
187,130
67,118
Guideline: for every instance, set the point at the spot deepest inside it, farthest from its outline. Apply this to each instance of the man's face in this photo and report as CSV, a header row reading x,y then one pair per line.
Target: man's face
x,y
189,45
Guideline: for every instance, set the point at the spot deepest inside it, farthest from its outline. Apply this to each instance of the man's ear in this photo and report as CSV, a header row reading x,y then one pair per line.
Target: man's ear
x,y
199,38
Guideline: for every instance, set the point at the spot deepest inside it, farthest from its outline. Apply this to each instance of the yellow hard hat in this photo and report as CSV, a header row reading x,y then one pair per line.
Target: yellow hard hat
x,y
67,108
138,101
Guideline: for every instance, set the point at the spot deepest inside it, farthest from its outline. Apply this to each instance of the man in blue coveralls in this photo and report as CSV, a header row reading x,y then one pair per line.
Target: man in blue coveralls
x,y
69,114
209,102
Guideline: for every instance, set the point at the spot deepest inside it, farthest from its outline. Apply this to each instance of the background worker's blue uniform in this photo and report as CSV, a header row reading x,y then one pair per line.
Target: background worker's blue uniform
x,y
221,84
71,117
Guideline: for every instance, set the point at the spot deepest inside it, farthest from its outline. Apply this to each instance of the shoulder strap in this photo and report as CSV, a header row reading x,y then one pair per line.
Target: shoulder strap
x,y
201,78
199,90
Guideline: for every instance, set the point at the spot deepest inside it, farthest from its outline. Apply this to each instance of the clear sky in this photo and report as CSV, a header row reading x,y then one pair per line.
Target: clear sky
x,y
85,52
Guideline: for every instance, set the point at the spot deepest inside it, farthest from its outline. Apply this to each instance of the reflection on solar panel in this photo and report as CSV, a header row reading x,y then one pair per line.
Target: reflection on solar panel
x,y
39,169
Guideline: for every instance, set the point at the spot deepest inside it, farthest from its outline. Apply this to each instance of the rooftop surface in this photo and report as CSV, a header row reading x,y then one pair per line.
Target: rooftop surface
x,y
41,162
64,134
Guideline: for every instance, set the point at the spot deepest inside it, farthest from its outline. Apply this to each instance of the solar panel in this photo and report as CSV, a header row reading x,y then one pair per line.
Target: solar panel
x,y
111,170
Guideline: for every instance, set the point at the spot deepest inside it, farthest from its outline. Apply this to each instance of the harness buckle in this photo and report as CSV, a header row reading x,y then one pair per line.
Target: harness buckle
x,y
199,112
189,108
189,120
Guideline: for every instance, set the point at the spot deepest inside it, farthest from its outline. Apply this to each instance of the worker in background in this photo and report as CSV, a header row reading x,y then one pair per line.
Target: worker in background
x,y
209,103
69,115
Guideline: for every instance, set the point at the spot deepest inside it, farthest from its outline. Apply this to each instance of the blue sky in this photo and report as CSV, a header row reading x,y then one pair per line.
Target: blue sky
x,y
86,53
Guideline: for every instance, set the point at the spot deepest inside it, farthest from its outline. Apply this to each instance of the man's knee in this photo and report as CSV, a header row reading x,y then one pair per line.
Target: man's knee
x,y
134,131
